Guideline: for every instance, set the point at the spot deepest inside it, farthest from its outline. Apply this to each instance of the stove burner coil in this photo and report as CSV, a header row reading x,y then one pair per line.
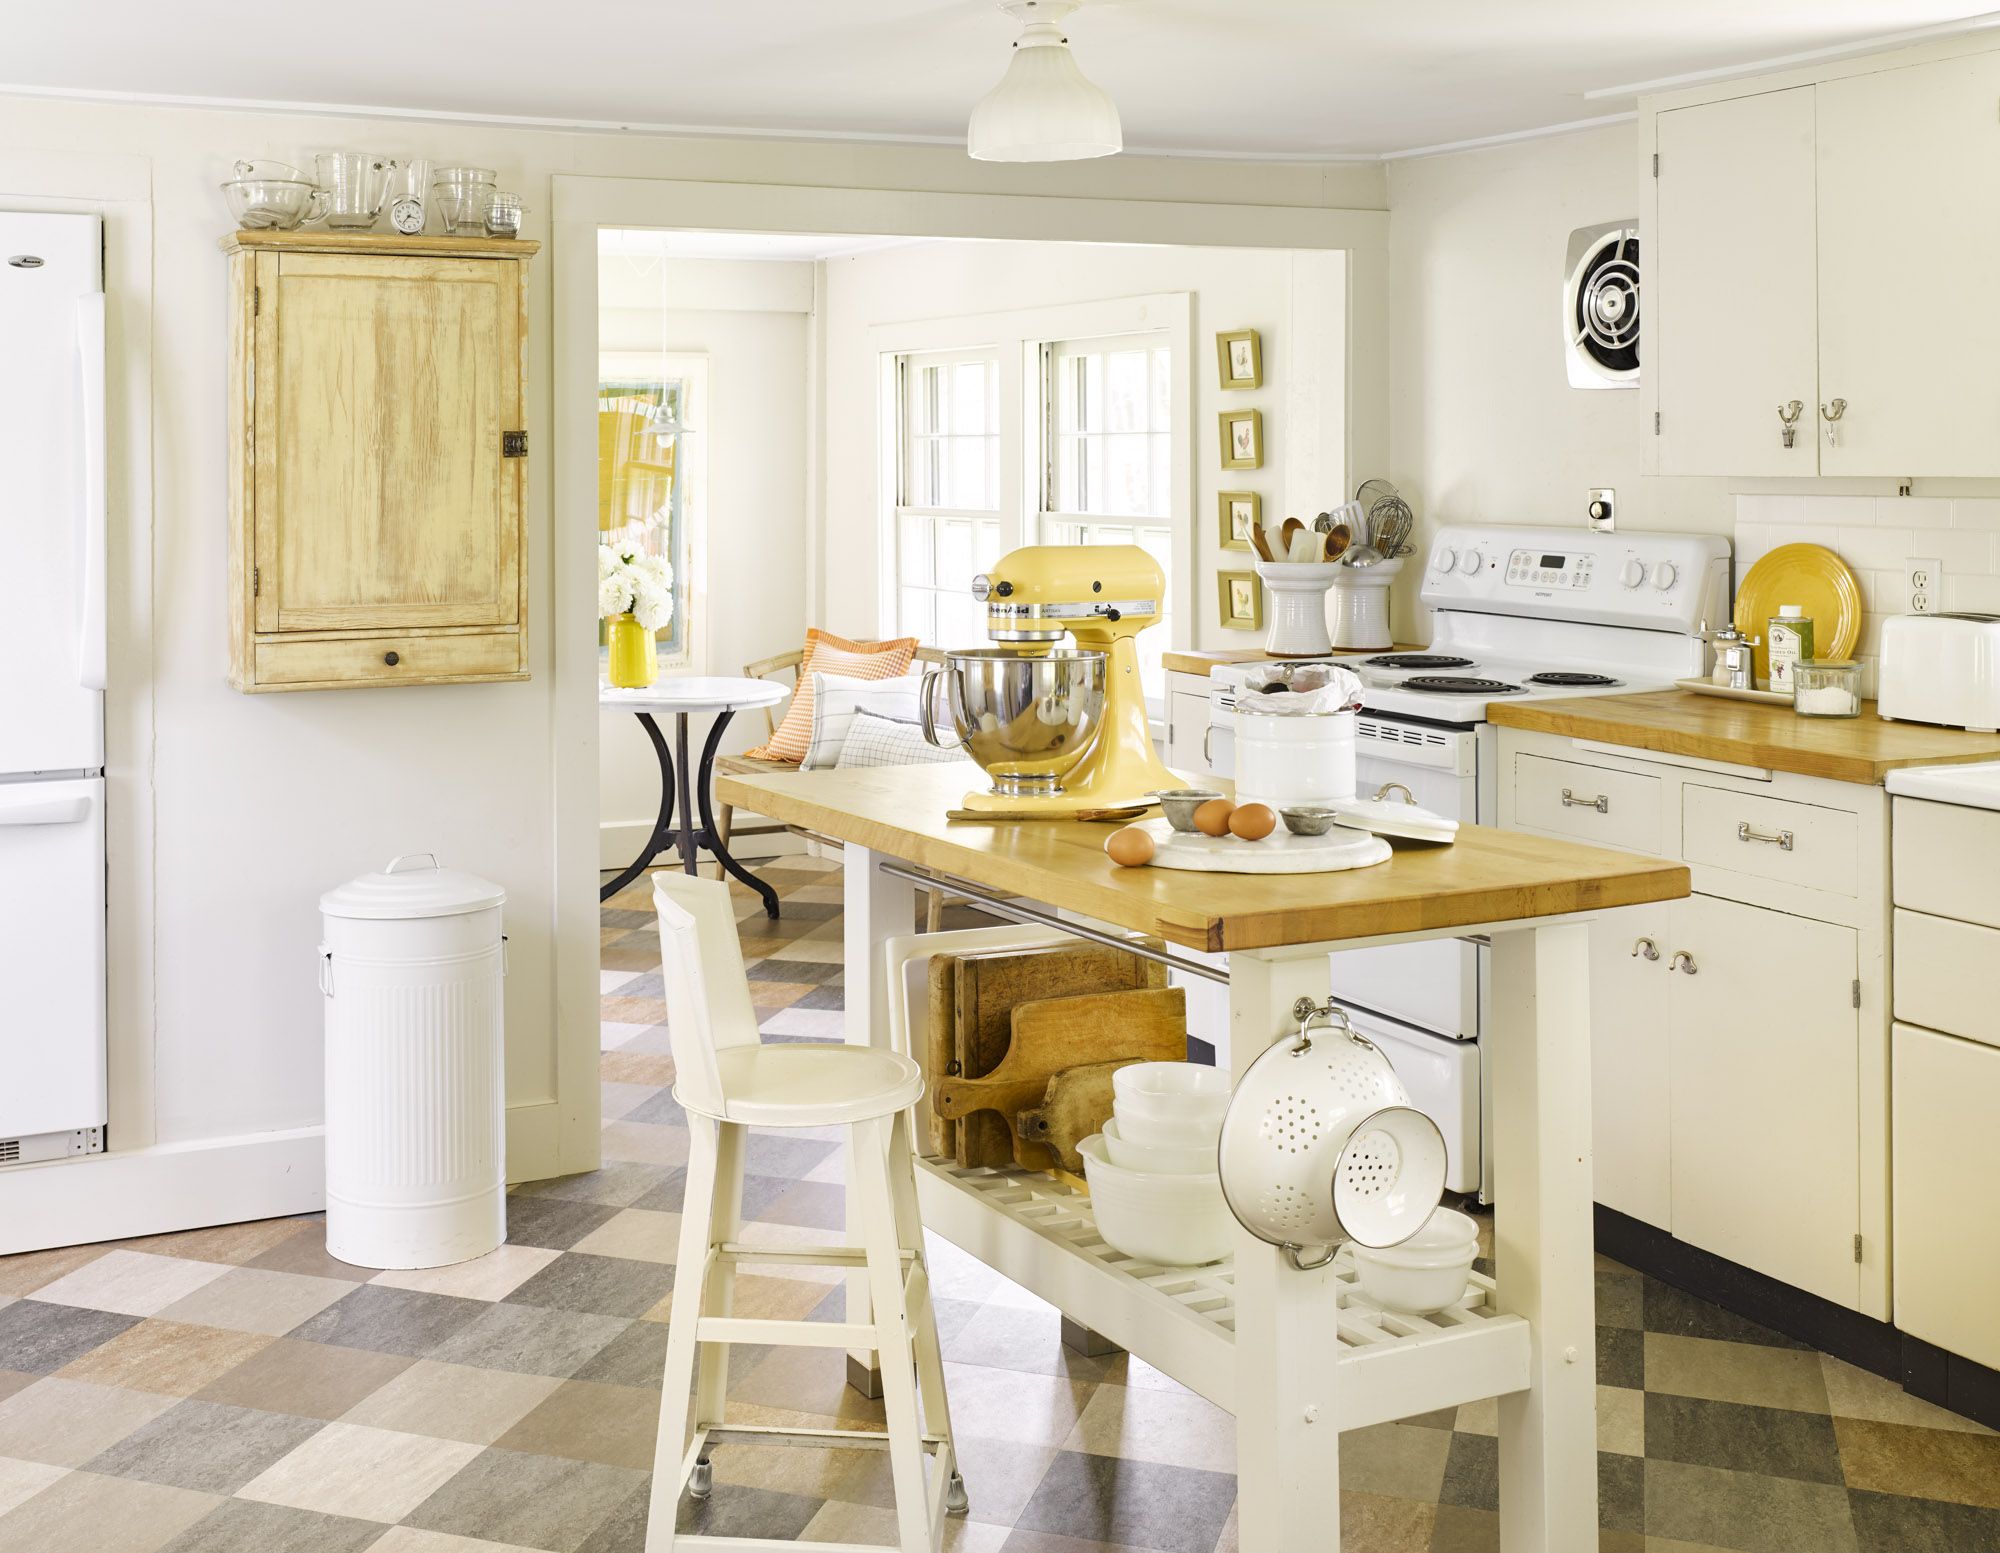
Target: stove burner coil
x,y
1419,660
1565,677
1451,685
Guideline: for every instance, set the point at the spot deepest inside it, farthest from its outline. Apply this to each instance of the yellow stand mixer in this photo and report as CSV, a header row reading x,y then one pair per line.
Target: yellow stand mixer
x,y
1059,730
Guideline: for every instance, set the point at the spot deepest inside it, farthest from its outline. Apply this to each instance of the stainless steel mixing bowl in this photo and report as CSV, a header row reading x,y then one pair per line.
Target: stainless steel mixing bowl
x,y
1026,719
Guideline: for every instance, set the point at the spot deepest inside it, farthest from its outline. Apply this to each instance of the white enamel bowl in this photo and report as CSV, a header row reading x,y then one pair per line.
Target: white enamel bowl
x,y
1173,1159
1169,1100
1427,1272
1172,1220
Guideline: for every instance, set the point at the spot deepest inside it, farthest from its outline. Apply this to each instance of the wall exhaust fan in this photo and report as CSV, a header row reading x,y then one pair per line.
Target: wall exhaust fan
x,y
1601,306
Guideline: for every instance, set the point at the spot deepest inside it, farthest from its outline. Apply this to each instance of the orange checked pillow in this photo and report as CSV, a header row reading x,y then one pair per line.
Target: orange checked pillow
x,y
830,654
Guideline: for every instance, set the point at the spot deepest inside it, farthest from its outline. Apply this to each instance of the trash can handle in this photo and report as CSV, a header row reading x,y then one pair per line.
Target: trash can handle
x,y
396,864
326,970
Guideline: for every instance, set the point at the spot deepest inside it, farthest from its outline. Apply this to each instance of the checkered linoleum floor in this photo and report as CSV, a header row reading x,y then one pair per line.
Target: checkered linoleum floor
x,y
237,1389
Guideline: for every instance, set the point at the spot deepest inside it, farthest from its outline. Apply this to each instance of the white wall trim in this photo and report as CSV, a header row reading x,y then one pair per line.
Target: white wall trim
x,y
1513,137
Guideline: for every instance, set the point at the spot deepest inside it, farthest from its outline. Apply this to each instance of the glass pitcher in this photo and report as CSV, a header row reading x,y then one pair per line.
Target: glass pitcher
x,y
355,184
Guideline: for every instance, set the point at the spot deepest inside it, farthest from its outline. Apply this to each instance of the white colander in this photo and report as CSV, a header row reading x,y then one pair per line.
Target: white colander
x,y
1321,1145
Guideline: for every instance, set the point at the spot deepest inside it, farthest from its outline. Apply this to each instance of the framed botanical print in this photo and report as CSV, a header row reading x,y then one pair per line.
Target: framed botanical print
x,y
1240,359
1242,601
1237,514
1242,439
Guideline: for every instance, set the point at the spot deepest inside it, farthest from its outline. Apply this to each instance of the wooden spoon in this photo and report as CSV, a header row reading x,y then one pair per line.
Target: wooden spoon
x,y
1291,528
1260,543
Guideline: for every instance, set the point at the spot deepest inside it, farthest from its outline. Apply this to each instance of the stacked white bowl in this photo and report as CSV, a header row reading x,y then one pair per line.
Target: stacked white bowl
x,y
1425,1273
1152,1170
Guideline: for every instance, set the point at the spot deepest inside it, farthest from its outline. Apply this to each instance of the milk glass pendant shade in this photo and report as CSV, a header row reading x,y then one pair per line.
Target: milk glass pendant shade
x,y
1043,110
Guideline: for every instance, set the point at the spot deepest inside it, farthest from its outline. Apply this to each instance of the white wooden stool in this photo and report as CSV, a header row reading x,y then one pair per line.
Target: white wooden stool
x,y
727,1080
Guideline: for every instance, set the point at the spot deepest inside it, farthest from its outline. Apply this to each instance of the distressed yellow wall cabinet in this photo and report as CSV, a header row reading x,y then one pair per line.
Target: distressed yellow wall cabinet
x,y
378,460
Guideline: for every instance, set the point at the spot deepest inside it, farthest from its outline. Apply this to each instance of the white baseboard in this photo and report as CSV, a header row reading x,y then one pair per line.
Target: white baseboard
x,y
181,1186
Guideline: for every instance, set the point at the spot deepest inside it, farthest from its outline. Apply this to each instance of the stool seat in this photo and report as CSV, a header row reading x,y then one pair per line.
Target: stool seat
x,y
813,1086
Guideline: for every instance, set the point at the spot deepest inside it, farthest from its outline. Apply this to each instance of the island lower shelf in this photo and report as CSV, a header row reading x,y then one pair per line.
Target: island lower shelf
x,y
1181,1320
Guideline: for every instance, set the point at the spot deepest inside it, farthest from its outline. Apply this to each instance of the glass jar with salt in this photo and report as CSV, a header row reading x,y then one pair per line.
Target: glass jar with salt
x,y
1826,687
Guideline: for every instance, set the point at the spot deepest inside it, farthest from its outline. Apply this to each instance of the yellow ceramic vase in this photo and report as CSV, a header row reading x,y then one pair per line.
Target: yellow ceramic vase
x,y
632,660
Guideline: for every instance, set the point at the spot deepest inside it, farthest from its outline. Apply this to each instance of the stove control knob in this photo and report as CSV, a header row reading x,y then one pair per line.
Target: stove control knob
x,y
1470,561
1632,573
1444,560
1665,575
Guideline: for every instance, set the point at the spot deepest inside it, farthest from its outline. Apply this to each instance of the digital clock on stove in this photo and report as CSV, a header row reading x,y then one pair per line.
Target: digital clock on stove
x,y
1547,569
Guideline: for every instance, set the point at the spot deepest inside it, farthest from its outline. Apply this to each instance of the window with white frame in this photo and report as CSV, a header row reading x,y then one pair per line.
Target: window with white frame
x,y
1107,458
948,495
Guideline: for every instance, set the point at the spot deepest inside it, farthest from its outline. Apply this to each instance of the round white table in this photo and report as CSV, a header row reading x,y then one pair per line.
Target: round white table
x,y
685,696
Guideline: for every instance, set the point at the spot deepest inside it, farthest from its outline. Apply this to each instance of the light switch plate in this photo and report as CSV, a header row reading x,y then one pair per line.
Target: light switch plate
x,y
1602,509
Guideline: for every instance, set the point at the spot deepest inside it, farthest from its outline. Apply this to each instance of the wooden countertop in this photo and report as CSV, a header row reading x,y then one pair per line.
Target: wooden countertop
x,y
1744,733
1486,876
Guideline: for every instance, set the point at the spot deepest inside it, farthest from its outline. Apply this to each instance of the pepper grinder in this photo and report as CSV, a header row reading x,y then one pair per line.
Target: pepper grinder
x,y
1732,656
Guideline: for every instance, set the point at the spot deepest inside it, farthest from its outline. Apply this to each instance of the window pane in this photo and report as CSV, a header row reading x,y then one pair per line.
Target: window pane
x,y
965,484
1163,391
961,620
1162,475
954,555
1125,391
968,397
918,564
1093,474
918,617
1128,474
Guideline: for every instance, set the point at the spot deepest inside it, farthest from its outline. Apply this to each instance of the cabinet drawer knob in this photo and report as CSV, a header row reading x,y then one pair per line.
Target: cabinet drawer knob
x,y
1646,948
1782,840
392,658
1601,803
1682,961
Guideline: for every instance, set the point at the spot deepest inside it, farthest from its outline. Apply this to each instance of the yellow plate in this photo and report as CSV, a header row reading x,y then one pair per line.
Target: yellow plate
x,y
1808,575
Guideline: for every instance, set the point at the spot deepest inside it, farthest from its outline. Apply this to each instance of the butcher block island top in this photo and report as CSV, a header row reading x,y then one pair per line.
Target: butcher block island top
x,y
1487,876
1745,733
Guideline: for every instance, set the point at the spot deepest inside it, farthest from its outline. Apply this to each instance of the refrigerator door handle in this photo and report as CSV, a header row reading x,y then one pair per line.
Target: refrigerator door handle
x,y
90,647
45,811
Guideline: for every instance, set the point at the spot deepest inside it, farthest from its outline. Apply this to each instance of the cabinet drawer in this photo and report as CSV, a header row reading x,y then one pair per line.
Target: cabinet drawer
x,y
1929,845
419,660
1945,1162
1590,803
1773,838
1943,975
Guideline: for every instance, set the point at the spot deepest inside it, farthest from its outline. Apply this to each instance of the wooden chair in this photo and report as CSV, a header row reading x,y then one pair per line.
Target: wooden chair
x,y
744,765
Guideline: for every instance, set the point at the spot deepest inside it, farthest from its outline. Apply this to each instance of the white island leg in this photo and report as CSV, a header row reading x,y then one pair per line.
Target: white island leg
x,y
875,908
1287,1429
1539,1062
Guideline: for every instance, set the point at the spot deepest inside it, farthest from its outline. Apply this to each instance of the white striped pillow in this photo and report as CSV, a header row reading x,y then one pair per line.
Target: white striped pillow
x,y
837,697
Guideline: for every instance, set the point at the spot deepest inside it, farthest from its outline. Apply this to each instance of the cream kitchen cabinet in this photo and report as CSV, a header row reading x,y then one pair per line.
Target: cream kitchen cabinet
x,y
1740,1036
1826,242
1187,724
378,443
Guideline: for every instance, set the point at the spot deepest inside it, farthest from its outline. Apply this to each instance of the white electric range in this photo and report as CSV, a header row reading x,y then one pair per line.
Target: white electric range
x,y
1517,614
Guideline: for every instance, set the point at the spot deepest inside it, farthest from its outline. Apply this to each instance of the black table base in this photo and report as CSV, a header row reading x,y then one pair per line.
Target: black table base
x,y
689,838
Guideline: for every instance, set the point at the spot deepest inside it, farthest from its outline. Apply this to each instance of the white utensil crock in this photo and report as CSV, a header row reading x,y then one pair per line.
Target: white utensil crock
x,y
1289,761
1321,1144
1360,606
1298,607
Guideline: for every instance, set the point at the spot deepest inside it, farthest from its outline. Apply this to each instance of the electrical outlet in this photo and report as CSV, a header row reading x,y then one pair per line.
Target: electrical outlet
x,y
1924,583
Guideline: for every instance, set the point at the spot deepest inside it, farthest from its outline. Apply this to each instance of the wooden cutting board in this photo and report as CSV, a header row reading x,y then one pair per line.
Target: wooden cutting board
x,y
1053,1086
988,988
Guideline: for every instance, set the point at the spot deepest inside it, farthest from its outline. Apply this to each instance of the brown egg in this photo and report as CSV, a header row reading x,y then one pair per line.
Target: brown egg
x,y
1131,847
1212,818
1252,822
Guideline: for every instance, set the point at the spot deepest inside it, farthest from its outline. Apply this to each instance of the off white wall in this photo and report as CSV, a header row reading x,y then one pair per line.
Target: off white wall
x,y
1296,300
229,814
752,320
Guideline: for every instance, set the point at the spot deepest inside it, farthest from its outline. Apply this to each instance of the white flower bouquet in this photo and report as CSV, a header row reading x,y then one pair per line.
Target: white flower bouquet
x,y
631,582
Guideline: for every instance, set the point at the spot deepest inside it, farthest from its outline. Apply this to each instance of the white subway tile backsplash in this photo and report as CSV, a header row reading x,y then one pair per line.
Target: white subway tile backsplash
x,y
1913,511
1876,536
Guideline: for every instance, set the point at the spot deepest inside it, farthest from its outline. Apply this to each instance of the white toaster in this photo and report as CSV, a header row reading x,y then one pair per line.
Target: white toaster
x,y
1941,669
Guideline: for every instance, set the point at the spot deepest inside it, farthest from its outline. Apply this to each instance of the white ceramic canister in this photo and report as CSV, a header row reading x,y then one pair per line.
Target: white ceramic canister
x,y
1298,607
1286,760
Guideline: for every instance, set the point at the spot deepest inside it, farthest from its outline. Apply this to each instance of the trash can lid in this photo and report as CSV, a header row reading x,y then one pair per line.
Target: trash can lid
x,y
413,885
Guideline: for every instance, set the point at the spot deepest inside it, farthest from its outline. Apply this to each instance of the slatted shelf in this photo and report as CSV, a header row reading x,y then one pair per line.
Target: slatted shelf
x,y
1041,1233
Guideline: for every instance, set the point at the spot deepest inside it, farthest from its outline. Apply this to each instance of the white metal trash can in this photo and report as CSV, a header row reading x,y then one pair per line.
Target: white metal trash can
x,y
411,972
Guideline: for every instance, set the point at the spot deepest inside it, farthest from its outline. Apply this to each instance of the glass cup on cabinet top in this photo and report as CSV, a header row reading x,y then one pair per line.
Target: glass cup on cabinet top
x,y
503,215
356,186
409,191
461,195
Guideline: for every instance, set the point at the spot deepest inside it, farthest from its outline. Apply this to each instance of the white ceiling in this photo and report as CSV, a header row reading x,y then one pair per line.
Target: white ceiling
x,y
1234,77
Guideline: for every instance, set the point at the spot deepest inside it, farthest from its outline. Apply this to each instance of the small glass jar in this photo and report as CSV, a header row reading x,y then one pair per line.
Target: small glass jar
x,y
503,215
1826,687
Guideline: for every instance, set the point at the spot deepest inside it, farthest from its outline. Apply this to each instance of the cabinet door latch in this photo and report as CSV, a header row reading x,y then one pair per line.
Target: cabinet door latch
x,y
256,582
1857,1248
513,444
1857,992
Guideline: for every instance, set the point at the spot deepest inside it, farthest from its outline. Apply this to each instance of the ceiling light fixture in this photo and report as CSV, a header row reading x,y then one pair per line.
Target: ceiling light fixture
x,y
1043,110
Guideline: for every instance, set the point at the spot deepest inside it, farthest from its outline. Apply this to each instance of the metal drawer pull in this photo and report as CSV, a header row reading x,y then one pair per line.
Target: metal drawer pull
x,y
1782,841
1682,961
1647,948
1601,803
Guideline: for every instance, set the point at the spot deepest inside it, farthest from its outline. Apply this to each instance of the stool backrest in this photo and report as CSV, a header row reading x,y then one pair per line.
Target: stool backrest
x,y
708,996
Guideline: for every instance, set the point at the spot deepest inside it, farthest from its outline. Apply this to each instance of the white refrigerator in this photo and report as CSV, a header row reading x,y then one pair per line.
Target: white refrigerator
x,y
52,672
